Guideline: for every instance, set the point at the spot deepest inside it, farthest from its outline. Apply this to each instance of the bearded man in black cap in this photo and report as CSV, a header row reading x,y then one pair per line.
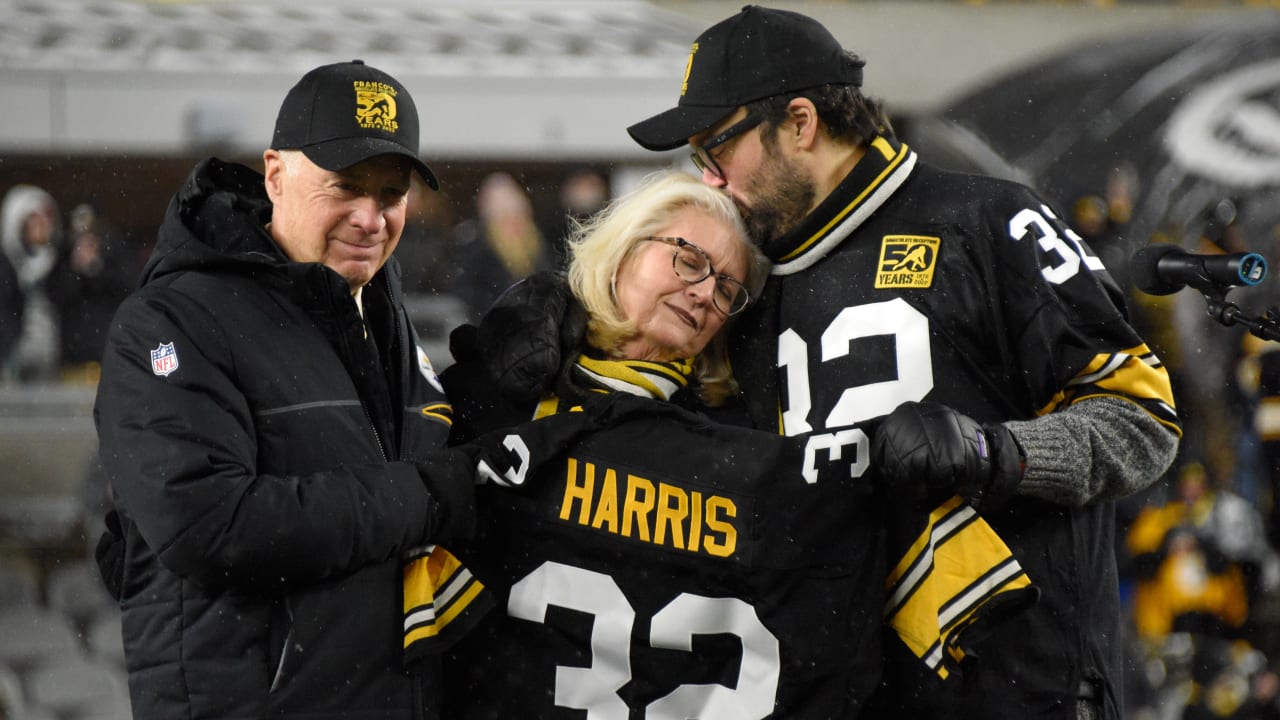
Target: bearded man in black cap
x,y
948,338
268,424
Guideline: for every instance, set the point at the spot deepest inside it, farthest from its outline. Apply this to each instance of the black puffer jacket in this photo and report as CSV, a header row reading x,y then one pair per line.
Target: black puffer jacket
x,y
258,449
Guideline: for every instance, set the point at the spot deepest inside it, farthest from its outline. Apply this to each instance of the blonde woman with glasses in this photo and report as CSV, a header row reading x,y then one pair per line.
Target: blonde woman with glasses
x,y
605,562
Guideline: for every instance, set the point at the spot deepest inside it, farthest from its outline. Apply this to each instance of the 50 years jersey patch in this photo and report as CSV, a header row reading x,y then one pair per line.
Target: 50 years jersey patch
x,y
907,261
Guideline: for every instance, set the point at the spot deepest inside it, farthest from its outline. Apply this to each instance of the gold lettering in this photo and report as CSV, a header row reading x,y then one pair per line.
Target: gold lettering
x,y
718,509
670,515
695,521
637,506
573,492
659,513
373,86
607,510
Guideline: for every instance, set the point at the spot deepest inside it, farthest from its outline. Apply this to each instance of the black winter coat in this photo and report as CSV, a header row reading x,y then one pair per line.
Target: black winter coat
x,y
257,446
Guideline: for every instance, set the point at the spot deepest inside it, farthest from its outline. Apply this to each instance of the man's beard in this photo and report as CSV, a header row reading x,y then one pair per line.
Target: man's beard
x,y
781,196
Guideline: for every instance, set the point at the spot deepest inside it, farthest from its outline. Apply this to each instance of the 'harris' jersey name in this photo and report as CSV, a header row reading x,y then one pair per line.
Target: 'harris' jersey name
x,y
632,506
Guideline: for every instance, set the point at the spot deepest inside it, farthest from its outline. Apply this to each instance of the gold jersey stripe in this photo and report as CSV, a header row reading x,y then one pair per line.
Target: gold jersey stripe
x,y
956,565
1135,375
437,589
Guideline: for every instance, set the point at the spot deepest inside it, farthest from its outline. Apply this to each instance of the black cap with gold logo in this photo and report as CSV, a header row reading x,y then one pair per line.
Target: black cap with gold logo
x,y
342,114
758,53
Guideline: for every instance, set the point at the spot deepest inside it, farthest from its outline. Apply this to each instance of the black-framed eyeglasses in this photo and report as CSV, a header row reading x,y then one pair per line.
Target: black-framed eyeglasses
x,y
702,157
693,265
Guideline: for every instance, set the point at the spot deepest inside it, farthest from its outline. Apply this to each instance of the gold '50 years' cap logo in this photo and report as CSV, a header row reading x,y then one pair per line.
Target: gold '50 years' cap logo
x,y
376,106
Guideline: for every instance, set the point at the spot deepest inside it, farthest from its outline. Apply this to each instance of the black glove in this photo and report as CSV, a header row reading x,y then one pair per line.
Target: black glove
x,y
449,476
926,450
528,333
110,555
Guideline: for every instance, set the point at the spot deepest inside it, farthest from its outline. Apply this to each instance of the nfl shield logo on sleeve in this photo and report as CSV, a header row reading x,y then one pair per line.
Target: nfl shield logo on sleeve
x,y
164,359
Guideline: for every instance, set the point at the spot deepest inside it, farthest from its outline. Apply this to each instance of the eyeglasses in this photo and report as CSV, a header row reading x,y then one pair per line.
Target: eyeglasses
x,y
692,265
702,157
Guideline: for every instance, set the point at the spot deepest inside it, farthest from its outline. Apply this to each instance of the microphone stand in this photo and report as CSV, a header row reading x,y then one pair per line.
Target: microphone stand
x,y
1266,327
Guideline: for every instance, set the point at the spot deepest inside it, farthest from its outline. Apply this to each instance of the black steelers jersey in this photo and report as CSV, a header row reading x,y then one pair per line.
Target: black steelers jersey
x,y
664,568
910,283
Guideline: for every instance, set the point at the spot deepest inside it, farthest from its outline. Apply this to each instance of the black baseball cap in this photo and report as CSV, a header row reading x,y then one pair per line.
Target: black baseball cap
x,y
342,114
758,53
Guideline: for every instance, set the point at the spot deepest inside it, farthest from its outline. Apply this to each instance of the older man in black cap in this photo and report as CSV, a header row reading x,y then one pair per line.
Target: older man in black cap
x,y
268,424
946,337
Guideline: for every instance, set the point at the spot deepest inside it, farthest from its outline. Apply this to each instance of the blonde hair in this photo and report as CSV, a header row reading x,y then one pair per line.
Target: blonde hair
x,y
599,245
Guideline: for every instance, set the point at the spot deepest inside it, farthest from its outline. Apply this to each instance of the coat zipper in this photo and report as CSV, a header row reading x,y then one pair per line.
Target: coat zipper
x,y
377,437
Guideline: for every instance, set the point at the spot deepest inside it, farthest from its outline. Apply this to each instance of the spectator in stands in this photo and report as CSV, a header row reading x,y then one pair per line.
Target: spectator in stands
x,y
423,252
270,428
1263,370
1201,560
1263,702
92,277
11,310
30,234
582,194
500,246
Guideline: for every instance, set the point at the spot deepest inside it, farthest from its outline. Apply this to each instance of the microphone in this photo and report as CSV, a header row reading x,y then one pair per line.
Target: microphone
x,y
1165,268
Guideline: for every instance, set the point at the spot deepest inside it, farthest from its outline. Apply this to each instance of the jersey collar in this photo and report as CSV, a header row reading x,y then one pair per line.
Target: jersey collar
x,y
880,172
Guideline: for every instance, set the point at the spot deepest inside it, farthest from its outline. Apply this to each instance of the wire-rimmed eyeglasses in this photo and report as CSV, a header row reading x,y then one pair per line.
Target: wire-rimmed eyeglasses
x,y
693,265
702,157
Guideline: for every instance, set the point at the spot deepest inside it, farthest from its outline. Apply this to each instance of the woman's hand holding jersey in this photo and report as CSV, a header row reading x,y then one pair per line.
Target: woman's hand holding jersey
x,y
925,451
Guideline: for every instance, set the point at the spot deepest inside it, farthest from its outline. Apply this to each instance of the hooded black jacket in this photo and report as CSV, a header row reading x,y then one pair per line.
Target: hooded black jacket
x,y
258,446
